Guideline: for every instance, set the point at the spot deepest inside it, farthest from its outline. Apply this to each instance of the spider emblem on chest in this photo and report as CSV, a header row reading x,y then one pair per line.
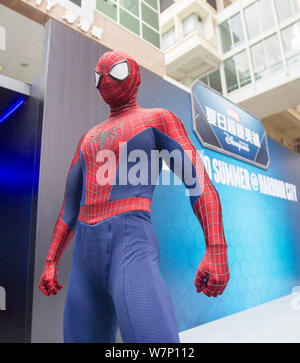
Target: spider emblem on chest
x,y
104,139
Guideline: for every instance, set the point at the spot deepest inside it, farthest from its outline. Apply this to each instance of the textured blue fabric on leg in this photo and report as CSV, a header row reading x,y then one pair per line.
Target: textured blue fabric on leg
x,y
115,279
89,315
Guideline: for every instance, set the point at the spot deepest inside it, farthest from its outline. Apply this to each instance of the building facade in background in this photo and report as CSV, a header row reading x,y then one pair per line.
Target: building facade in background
x,y
128,25
248,51
140,17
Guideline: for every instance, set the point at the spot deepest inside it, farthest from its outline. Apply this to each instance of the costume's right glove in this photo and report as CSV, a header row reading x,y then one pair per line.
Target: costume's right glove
x,y
48,282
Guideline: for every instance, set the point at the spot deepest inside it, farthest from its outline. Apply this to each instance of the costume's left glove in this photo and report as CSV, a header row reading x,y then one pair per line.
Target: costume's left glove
x,y
48,282
213,273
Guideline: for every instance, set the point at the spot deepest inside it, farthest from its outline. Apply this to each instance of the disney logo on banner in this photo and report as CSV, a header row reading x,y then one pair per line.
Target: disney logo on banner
x,y
239,144
227,128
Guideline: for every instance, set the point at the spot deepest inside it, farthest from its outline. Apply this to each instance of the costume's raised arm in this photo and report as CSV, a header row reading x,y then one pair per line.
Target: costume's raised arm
x,y
213,273
64,227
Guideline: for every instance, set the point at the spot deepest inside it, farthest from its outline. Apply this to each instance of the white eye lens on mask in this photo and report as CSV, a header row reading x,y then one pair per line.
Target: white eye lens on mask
x,y
120,71
97,79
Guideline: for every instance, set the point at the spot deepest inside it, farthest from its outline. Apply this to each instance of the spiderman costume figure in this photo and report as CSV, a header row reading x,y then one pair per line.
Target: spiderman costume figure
x,y
115,278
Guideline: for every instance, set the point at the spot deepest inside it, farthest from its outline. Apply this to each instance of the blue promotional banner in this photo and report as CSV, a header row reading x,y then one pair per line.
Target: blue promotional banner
x,y
261,213
224,127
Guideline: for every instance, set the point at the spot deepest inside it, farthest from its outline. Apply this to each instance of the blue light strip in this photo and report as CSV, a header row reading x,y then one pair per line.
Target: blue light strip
x,y
12,109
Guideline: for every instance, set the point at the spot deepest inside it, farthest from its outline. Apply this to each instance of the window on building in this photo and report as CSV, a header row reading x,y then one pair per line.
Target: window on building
x,y
237,30
225,36
129,21
204,80
251,15
259,17
168,38
213,80
291,42
150,16
232,33
191,23
266,14
131,5
259,61
151,36
243,69
231,76
139,16
273,53
152,3
107,7
266,57
237,72
286,8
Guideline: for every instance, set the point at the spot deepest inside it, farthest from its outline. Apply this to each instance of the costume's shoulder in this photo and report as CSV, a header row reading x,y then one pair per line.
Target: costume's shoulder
x,y
78,149
80,143
91,132
165,114
168,117
84,140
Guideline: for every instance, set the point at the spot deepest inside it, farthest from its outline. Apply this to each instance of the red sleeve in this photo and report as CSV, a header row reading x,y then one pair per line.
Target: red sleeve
x,y
206,202
66,221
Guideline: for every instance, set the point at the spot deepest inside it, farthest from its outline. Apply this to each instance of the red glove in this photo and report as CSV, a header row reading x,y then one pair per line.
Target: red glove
x,y
63,232
213,273
48,282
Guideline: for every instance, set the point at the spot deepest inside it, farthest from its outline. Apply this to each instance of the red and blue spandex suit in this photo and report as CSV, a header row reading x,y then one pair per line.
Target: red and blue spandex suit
x,y
115,278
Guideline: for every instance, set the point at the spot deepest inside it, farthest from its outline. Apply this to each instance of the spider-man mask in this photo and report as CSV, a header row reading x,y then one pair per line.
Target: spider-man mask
x,y
117,78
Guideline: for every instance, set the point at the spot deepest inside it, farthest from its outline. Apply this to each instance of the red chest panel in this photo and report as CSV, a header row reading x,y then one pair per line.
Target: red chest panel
x,y
108,136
